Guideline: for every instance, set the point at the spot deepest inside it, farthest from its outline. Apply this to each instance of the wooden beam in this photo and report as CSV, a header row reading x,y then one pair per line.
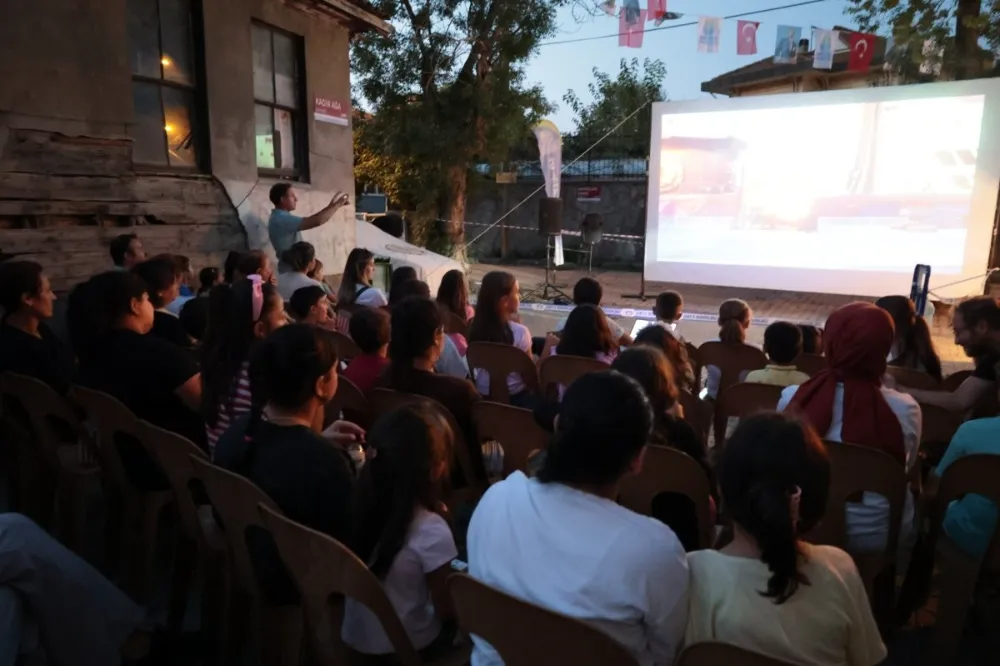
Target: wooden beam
x,y
347,9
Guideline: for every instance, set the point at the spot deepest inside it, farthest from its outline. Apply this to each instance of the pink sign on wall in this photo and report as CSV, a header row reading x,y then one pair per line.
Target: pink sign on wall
x,y
332,111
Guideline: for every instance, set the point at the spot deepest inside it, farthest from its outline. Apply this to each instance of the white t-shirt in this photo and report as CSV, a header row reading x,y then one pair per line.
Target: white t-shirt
x,y
451,362
289,283
429,546
584,556
522,340
868,522
372,297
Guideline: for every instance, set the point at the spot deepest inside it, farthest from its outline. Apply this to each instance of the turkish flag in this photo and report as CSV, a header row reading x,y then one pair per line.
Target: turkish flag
x,y
656,9
862,51
746,41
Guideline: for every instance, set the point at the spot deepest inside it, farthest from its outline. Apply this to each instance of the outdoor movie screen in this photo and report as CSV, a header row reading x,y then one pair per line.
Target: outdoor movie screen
x,y
833,192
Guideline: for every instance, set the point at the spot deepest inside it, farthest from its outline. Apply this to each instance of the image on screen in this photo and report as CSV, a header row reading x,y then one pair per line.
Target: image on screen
x,y
835,186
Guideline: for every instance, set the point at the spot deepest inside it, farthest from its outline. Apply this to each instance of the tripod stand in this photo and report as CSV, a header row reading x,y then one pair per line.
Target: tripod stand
x,y
548,290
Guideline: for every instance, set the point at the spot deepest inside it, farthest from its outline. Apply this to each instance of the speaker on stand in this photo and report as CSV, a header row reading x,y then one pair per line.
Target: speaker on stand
x,y
550,226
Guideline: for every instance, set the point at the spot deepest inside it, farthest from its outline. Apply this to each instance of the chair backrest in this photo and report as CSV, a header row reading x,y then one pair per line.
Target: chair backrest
x,y
855,469
667,470
324,569
235,499
514,428
915,379
564,370
111,418
501,360
173,453
731,360
346,347
696,413
455,324
811,364
695,359
350,400
723,654
386,400
527,635
742,400
938,426
976,474
955,379
51,418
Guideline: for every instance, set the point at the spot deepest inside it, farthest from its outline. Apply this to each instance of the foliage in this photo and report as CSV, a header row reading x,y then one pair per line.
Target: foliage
x,y
446,91
945,37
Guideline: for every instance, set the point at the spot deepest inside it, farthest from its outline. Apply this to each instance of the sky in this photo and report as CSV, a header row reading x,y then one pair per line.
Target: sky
x,y
562,67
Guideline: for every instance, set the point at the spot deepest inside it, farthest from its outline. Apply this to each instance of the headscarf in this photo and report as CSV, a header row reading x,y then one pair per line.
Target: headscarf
x,y
856,342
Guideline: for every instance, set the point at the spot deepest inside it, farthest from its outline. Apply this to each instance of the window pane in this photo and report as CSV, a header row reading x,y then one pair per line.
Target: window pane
x,y
284,133
178,48
179,119
285,75
147,136
264,131
144,38
263,73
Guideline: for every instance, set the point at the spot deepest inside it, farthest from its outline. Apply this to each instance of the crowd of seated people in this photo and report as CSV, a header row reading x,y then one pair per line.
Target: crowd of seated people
x,y
255,398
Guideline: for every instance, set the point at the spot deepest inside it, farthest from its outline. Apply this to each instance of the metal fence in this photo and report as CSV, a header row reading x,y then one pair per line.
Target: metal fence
x,y
617,157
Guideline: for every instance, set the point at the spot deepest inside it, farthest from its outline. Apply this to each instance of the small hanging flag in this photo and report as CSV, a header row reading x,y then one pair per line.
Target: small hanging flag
x,y
610,8
630,34
667,16
746,42
786,46
709,31
823,51
630,9
656,9
862,51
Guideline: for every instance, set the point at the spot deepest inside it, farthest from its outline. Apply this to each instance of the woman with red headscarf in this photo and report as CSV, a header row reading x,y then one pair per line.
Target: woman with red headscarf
x,y
847,403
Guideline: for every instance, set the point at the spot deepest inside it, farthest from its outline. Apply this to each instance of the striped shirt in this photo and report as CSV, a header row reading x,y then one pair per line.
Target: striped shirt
x,y
239,403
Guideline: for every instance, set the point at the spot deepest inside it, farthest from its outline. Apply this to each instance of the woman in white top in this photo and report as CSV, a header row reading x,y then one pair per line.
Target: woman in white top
x,y
767,591
734,320
399,533
299,259
356,284
847,403
498,302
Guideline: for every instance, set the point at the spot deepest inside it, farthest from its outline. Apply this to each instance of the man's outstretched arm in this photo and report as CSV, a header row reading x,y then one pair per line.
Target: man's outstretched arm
x,y
323,216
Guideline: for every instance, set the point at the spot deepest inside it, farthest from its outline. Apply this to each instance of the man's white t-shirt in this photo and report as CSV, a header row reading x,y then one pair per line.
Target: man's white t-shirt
x,y
584,556
522,340
289,283
372,297
868,522
429,546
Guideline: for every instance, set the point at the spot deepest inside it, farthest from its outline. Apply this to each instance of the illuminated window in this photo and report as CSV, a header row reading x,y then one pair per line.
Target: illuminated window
x,y
279,120
167,130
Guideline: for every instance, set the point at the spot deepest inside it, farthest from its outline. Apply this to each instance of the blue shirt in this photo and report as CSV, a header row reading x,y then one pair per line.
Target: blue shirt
x,y
970,521
283,230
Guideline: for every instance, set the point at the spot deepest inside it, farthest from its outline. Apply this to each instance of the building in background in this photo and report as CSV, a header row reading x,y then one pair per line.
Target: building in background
x,y
171,119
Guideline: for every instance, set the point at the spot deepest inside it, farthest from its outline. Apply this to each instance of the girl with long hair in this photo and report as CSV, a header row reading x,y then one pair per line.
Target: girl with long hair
x,y
912,347
586,334
674,350
496,307
734,320
356,283
399,531
299,260
239,317
400,275
453,299
769,591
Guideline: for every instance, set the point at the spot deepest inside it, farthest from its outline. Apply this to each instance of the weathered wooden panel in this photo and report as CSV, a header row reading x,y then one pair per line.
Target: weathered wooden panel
x,y
65,274
37,151
155,238
165,212
201,190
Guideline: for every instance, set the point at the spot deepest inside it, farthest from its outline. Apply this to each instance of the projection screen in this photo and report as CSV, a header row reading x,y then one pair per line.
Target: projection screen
x,y
839,192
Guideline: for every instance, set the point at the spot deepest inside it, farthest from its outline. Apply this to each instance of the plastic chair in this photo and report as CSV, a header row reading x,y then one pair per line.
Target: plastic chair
x,y
915,379
528,635
666,470
731,360
514,428
938,426
351,401
346,347
138,509
696,413
556,371
740,401
278,630
954,380
811,364
326,572
501,360
723,654
695,358
454,324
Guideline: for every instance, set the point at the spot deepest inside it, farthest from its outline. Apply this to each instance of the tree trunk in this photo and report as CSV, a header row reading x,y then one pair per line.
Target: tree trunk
x,y
455,212
969,60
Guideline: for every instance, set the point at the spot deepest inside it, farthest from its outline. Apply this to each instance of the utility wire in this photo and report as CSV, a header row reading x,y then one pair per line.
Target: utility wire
x,y
685,25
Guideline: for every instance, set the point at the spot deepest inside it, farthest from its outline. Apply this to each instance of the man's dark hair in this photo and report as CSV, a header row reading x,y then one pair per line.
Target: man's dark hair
x,y
17,279
782,342
668,305
587,291
119,248
232,262
303,299
979,309
159,273
404,290
278,192
369,328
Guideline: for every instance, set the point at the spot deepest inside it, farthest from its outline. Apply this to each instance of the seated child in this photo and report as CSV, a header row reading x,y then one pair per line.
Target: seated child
x,y
668,311
309,306
782,344
370,330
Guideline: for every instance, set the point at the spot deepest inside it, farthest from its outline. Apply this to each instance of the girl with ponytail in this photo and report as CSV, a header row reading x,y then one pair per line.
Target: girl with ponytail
x,y
734,320
768,591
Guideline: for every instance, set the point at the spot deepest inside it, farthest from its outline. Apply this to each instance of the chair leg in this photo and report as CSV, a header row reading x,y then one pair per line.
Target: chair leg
x,y
237,617
185,566
281,631
213,604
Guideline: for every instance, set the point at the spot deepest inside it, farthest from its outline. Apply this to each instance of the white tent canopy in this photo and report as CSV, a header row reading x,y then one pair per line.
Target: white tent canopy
x,y
430,267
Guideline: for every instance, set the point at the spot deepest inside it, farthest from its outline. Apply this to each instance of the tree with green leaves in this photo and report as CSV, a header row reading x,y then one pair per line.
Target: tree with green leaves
x,y
946,37
612,100
444,93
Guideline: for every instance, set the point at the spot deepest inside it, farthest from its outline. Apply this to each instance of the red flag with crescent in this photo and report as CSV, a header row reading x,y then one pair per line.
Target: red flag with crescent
x,y
862,51
746,43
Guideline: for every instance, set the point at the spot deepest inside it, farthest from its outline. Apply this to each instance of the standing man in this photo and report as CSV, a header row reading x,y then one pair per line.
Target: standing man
x,y
284,228
126,252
